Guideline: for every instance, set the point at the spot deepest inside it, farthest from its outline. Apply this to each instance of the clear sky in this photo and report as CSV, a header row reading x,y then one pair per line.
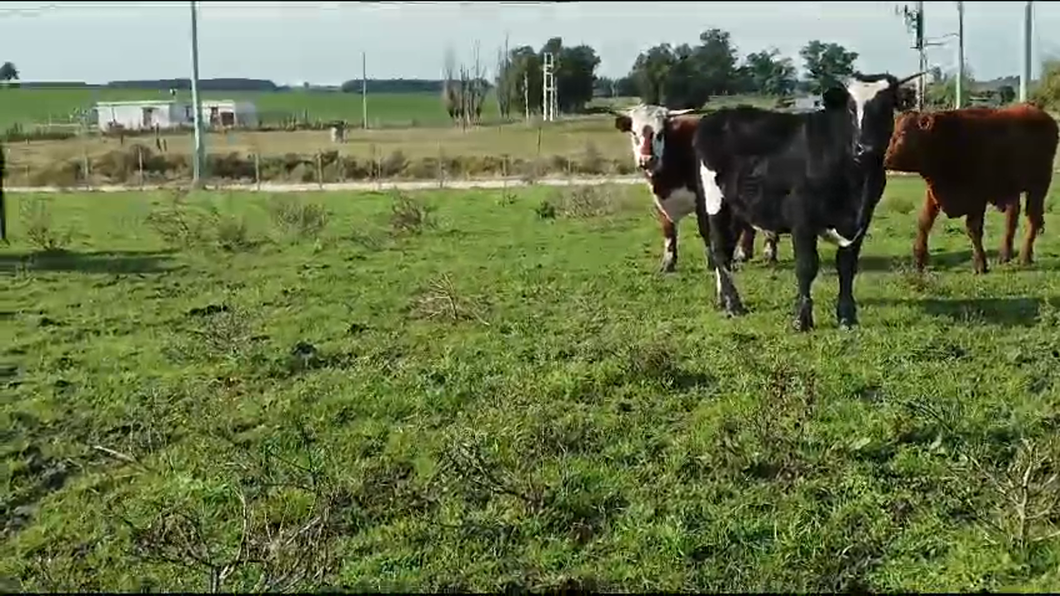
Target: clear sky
x,y
321,42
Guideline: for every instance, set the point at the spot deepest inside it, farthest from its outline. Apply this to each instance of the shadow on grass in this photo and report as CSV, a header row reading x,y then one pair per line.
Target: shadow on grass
x,y
939,261
88,262
1006,312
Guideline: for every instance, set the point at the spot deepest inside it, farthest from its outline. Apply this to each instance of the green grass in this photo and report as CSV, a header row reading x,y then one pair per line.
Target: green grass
x,y
502,400
41,106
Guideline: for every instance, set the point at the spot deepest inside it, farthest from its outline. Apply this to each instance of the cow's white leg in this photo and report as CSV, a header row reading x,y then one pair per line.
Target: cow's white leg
x,y
722,238
769,246
679,203
669,231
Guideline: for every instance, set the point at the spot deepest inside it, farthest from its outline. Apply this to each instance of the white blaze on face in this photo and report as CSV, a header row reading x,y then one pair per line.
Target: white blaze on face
x,y
862,93
647,120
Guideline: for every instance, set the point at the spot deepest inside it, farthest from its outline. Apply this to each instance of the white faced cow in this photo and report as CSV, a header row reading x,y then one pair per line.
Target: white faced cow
x,y
662,148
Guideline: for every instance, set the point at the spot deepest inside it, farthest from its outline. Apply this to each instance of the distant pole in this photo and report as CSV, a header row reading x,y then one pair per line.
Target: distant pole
x,y
200,151
3,206
960,55
1025,73
921,86
364,90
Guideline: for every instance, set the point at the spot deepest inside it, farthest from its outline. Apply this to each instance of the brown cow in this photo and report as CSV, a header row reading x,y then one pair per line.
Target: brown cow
x,y
662,148
973,157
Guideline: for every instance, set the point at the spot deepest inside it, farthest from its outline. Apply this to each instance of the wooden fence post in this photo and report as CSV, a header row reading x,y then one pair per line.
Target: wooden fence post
x,y
257,171
84,167
320,171
140,163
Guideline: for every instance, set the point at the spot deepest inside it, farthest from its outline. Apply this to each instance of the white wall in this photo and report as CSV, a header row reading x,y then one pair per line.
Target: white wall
x,y
131,116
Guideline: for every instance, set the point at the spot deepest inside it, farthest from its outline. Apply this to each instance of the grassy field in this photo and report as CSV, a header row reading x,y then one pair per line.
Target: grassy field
x,y
41,106
582,139
570,138
487,391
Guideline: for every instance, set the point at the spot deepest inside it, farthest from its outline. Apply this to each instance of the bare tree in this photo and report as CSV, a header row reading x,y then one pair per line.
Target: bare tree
x,y
449,86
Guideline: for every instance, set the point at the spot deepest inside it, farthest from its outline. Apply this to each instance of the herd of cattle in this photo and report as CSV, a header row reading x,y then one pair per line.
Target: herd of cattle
x,y
821,174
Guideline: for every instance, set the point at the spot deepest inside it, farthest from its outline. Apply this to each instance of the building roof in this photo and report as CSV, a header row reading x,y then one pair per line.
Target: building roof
x,y
139,102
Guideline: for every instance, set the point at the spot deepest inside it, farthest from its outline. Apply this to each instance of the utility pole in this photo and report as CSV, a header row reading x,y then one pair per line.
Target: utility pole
x,y
1025,74
548,87
198,164
921,86
960,55
364,91
914,23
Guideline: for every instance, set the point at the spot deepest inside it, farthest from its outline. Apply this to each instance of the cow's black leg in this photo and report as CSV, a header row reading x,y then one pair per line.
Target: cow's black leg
x,y
846,265
807,262
722,247
720,242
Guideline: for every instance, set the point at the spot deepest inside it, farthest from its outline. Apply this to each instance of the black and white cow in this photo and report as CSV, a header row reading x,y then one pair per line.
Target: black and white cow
x,y
817,174
662,149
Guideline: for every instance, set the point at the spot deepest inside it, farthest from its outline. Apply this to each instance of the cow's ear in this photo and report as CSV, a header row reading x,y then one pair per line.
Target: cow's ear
x,y
926,121
834,98
624,123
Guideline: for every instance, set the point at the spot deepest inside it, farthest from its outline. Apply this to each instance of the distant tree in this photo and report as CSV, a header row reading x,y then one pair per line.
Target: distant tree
x,y
687,76
769,74
8,72
1006,94
715,61
604,87
1047,92
625,87
575,77
942,94
651,71
827,64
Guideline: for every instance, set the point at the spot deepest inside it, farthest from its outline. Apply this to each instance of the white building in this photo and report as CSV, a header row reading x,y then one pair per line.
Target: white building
x,y
140,115
228,112
807,103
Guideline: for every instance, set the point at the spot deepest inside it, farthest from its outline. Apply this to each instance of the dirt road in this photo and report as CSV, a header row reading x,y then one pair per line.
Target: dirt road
x,y
273,187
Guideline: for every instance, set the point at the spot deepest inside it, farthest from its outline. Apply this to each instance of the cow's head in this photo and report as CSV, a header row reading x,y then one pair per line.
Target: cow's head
x,y
908,146
646,125
872,101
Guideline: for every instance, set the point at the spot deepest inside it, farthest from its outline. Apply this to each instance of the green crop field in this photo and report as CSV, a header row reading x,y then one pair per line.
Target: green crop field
x,y
484,391
41,106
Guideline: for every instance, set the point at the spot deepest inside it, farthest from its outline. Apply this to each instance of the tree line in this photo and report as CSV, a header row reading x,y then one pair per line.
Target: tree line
x,y
682,76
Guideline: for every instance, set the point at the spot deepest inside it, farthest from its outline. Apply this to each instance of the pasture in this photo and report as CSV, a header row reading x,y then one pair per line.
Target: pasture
x,y
42,106
494,390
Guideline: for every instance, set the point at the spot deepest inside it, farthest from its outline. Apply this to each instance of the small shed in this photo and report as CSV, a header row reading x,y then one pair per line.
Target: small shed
x,y
807,103
141,115
228,112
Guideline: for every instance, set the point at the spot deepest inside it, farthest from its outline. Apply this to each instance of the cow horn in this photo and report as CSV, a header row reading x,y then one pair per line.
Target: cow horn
x,y
680,112
911,77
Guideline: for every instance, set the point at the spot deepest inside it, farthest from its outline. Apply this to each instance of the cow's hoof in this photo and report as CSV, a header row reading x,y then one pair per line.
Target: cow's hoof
x,y
1004,257
668,266
739,256
803,320
733,308
846,315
